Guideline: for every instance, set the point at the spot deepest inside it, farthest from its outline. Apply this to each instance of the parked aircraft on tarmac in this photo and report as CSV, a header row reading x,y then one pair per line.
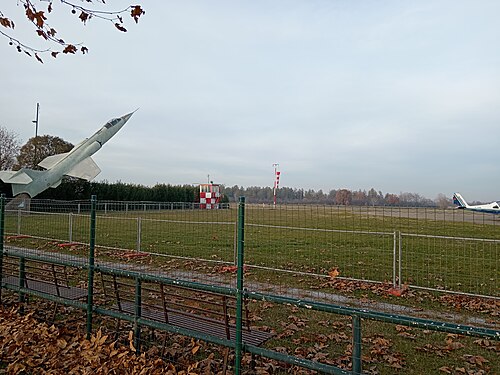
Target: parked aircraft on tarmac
x,y
489,208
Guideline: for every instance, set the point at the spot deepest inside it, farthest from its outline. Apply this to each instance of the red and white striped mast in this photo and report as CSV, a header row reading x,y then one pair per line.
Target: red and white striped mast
x,y
276,181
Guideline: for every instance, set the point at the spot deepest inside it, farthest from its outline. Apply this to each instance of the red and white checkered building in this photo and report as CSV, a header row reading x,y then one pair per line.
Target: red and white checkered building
x,y
209,196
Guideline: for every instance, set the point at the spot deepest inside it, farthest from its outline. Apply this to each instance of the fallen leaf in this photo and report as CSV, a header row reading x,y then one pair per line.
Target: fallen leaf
x,y
334,272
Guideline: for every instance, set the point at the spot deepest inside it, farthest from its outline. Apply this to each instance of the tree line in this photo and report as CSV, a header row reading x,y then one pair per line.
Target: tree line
x,y
76,189
372,197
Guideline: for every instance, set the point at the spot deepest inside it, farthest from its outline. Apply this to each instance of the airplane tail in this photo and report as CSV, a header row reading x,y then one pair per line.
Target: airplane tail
x,y
459,201
22,180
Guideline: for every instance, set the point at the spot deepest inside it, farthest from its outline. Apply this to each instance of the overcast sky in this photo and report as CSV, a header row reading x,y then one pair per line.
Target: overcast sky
x,y
402,96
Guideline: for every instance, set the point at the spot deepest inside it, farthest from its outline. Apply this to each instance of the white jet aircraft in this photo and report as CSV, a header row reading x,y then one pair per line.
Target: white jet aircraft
x,y
489,208
76,163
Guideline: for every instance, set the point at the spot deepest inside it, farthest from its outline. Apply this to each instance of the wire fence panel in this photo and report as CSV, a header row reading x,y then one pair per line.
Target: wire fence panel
x,y
179,239
287,244
118,233
78,228
294,246
203,237
40,224
12,221
358,243
464,265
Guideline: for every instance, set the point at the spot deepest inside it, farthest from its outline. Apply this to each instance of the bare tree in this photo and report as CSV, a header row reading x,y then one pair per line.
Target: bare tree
x,y
39,22
391,199
9,148
343,197
359,198
442,201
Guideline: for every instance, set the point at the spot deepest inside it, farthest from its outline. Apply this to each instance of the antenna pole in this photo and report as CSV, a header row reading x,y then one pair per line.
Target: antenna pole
x,y
276,182
36,121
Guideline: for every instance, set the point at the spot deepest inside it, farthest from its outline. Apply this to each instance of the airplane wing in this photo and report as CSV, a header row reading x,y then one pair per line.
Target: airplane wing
x,y
50,161
87,169
15,177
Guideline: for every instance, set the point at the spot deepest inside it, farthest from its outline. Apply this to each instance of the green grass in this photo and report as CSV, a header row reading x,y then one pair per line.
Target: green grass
x,y
357,241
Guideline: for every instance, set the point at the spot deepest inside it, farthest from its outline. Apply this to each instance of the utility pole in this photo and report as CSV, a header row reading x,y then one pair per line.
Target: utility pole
x,y
36,121
36,135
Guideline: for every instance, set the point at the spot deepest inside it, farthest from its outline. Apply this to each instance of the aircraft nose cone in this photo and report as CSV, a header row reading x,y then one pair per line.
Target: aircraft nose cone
x,y
126,117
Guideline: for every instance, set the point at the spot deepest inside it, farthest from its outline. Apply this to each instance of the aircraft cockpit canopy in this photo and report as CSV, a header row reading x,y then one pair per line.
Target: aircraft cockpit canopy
x,y
111,123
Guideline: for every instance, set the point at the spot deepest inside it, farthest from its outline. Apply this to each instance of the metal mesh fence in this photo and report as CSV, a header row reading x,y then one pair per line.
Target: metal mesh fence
x,y
287,247
294,247
180,240
453,264
324,286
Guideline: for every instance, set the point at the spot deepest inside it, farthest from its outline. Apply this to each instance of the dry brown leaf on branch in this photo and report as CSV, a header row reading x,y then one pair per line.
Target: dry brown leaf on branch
x,y
5,22
84,17
120,27
69,49
136,12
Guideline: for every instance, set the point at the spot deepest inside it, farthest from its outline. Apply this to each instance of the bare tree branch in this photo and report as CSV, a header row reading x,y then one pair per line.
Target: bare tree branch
x,y
39,20
9,148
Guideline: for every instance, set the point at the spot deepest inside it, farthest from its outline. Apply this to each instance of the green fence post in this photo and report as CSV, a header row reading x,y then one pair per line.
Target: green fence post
x,y
90,296
2,233
138,313
239,284
356,344
22,282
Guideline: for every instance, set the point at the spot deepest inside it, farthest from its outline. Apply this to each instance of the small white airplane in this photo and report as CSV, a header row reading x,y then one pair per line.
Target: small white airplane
x,y
489,208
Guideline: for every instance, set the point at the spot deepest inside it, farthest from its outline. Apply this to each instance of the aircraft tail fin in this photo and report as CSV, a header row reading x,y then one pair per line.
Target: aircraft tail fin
x,y
22,181
459,201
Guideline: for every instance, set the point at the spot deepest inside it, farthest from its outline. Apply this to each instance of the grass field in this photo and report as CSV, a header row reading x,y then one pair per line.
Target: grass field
x,y
438,249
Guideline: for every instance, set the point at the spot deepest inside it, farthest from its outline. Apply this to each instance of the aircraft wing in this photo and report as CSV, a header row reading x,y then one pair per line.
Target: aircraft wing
x,y
87,169
50,161
15,177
